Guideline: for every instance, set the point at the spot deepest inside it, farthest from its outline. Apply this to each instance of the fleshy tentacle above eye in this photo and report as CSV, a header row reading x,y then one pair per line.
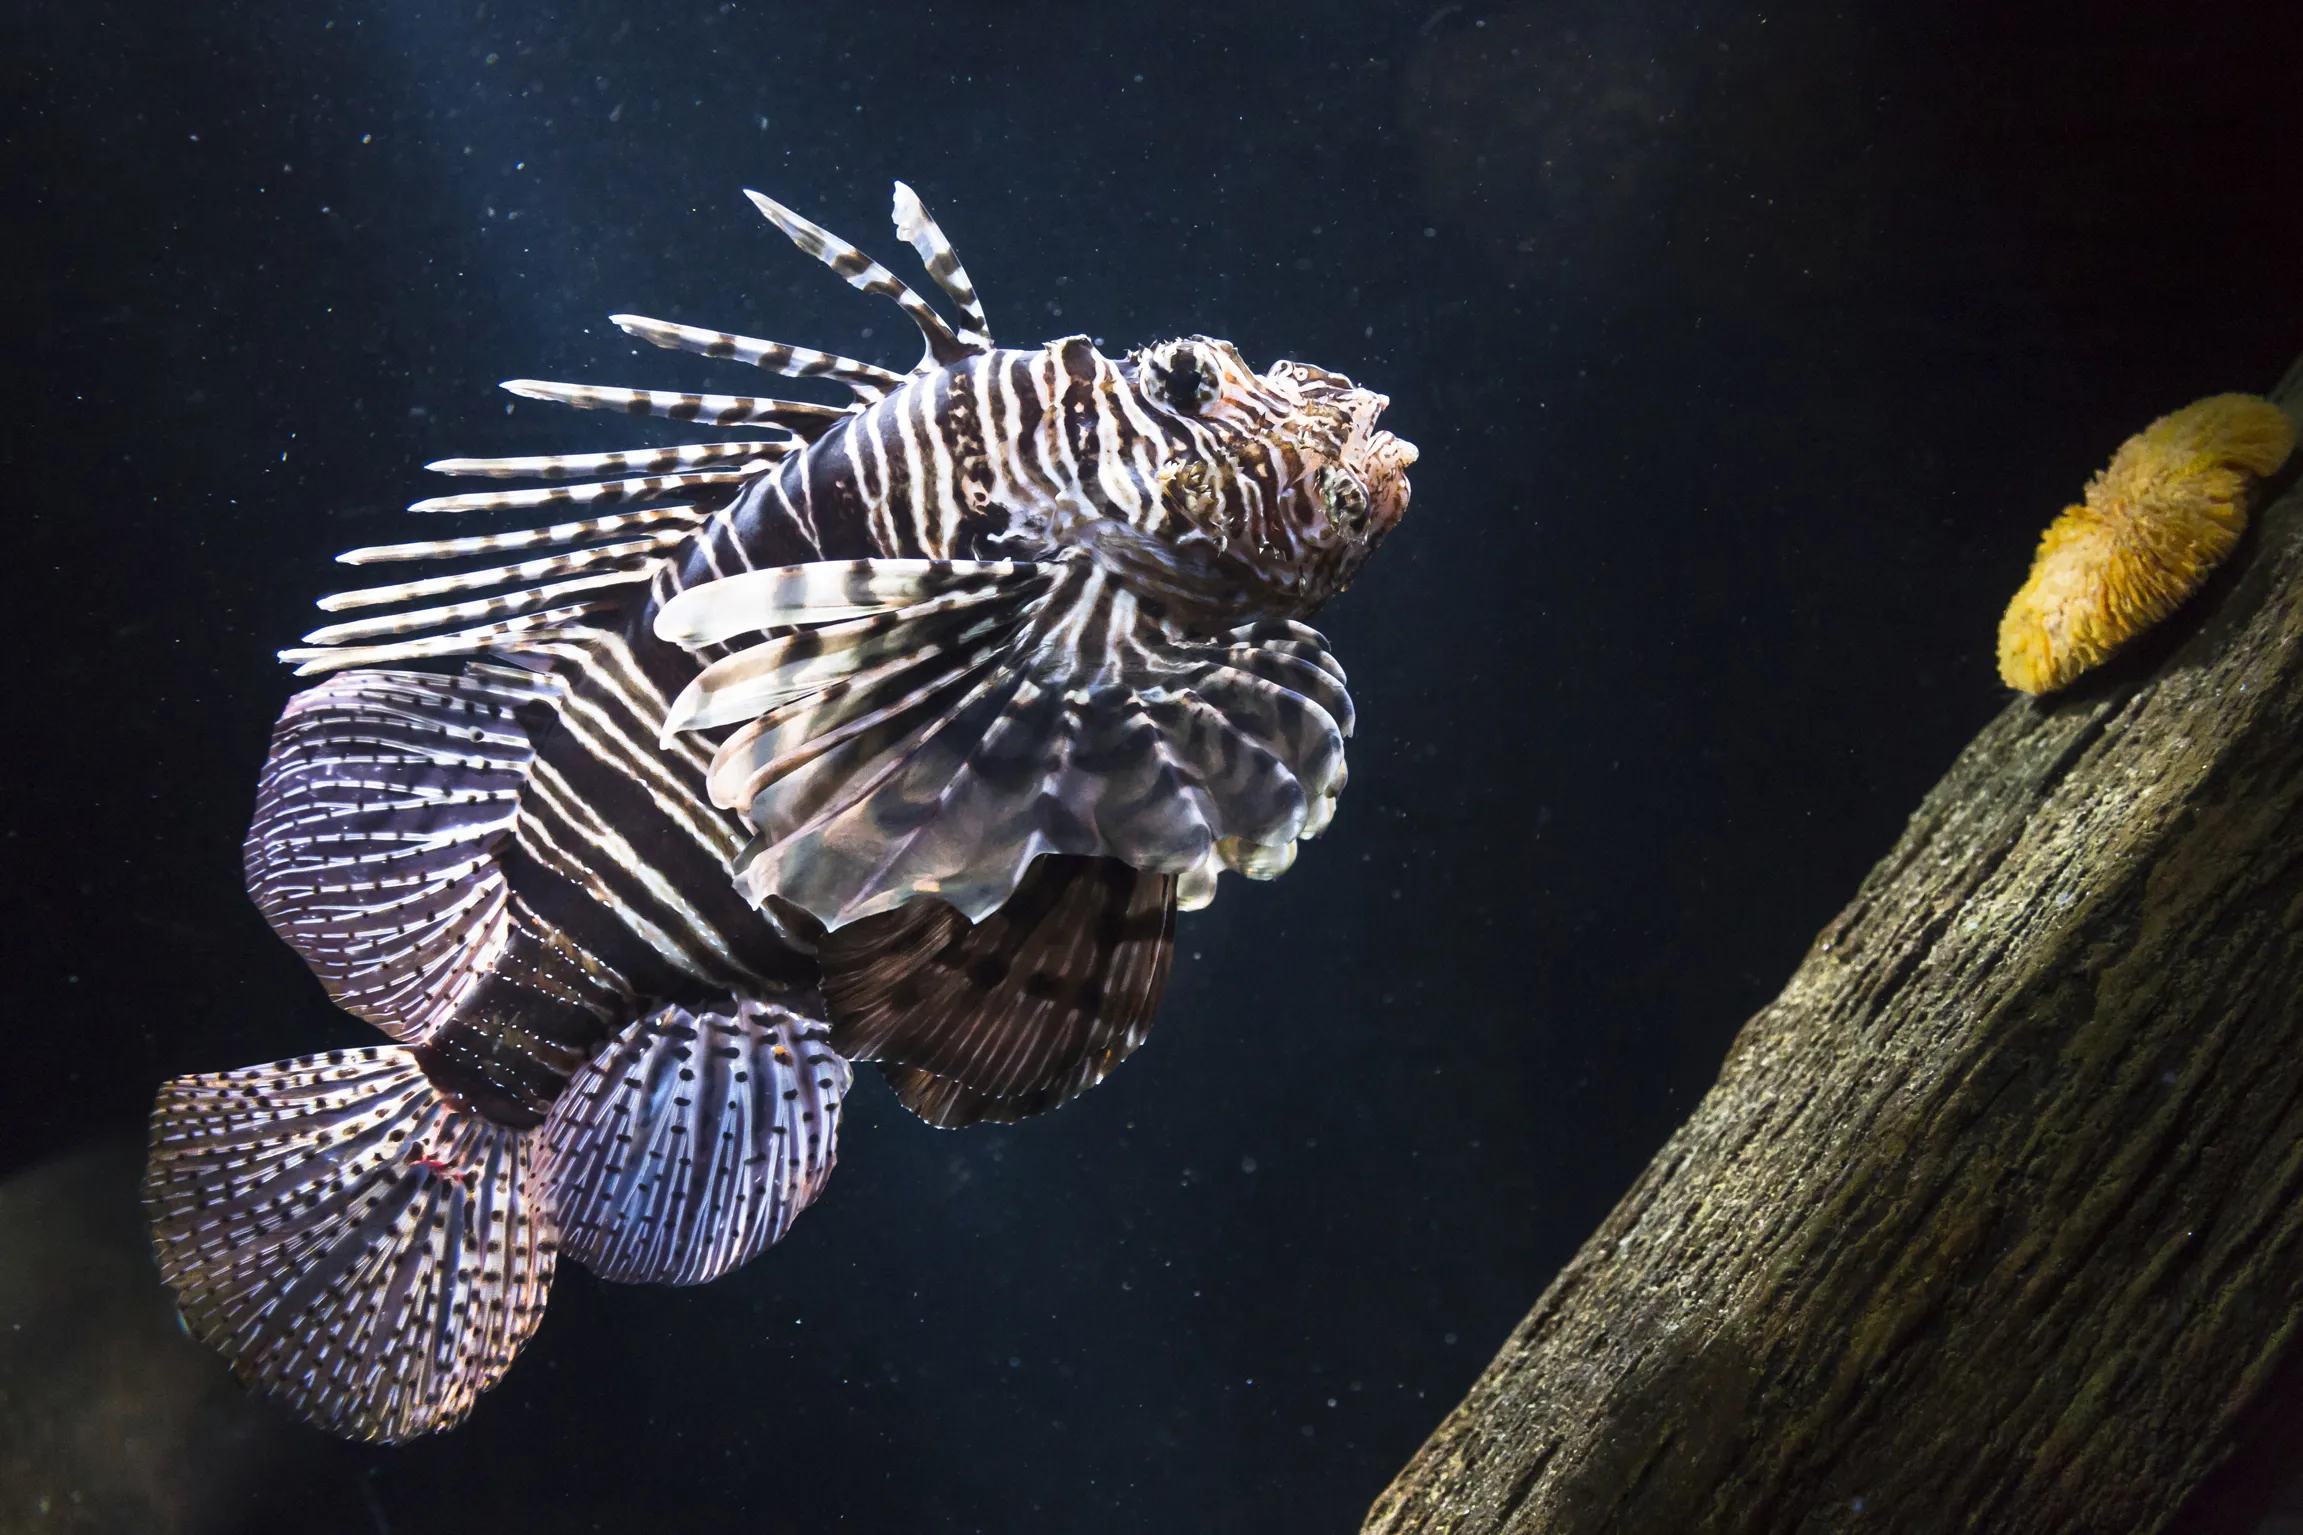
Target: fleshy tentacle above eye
x,y
929,727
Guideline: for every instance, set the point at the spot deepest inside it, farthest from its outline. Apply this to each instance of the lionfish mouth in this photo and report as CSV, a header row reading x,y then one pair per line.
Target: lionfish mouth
x,y
1381,460
1377,462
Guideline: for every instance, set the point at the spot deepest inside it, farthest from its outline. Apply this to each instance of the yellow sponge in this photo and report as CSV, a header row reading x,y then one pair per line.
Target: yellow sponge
x,y
2165,512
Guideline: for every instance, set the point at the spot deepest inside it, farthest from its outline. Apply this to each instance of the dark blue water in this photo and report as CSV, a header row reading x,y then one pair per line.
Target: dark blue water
x,y
1747,352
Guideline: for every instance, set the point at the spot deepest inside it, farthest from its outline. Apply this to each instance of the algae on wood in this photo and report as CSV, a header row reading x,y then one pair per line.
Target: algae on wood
x,y
1994,1218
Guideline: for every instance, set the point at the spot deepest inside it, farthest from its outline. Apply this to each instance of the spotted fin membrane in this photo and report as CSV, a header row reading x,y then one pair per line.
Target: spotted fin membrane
x,y
686,1147
1016,1014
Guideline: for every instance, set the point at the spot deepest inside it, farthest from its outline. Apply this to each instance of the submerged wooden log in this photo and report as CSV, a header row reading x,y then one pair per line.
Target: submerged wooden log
x,y
1994,1219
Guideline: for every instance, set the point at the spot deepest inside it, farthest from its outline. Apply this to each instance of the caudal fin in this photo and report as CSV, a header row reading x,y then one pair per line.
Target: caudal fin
x,y
353,1244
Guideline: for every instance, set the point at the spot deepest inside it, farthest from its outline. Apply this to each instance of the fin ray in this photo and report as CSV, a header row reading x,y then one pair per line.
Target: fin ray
x,y
867,380
562,466
531,632
803,418
640,488
500,605
865,275
558,535
905,697
624,554
838,656
917,229
822,592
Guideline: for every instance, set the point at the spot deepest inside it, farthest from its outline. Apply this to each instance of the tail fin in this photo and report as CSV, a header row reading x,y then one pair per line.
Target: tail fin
x,y
355,1245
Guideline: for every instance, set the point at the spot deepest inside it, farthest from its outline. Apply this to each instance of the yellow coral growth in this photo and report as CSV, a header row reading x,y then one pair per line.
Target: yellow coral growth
x,y
2165,513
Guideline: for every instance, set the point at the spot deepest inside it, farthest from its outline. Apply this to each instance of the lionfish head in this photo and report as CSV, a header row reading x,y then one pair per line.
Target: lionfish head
x,y
1284,471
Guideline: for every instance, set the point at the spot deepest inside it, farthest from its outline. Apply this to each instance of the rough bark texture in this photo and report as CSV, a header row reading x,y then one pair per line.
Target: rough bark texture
x,y
1994,1219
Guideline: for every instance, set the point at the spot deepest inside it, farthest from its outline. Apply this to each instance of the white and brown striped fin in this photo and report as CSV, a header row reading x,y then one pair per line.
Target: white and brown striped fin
x,y
629,554
522,606
868,381
865,275
563,466
372,852
877,670
824,592
915,227
564,630
803,693
804,418
690,1142
646,487
558,536
480,609
1013,1015
936,749
354,1245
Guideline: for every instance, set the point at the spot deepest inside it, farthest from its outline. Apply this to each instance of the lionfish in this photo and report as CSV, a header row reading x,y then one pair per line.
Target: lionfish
x,y
896,731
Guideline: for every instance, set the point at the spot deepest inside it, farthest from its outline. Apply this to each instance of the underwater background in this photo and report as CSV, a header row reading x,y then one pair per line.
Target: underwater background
x,y
1747,350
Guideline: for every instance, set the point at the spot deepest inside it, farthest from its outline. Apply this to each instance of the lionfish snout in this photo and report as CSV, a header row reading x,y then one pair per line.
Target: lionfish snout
x,y
1355,474
1381,461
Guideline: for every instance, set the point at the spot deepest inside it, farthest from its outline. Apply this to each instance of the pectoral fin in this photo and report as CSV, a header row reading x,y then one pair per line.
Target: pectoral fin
x,y
980,715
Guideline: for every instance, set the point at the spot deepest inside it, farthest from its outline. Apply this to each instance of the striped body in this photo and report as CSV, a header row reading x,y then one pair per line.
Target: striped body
x,y
1007,442
1003,452
619,896
616,846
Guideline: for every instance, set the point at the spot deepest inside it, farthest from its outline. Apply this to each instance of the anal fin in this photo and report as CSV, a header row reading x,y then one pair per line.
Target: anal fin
x,y
690,1142
1011,1016
352,1243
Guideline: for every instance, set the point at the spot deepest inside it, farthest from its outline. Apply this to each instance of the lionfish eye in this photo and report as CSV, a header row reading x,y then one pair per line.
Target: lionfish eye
x,y
1183,383
1344,497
